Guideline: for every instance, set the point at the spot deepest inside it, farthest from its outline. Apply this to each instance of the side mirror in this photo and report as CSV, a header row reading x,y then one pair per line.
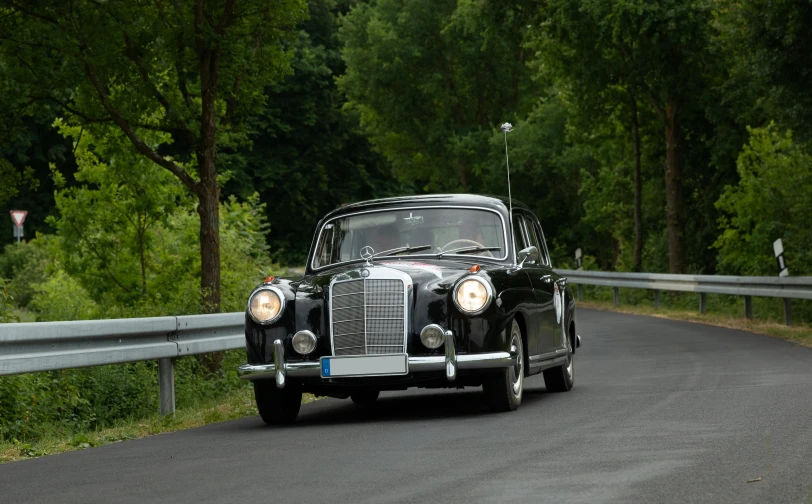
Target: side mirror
x,y
531,253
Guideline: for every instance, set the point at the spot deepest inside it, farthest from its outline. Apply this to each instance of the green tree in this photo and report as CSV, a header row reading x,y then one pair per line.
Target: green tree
x,y
770,49
105,222
770,201
307,155
126,235
190,70
648,51
432,80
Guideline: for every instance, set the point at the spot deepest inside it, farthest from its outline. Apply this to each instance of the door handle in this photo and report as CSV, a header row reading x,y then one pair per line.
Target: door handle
x,y
547,278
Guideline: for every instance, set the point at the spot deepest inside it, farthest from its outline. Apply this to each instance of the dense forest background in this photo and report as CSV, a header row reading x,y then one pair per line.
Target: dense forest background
x,y
665,136
171,154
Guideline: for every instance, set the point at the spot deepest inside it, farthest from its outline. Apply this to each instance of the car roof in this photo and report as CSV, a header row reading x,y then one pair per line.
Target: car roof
x,y
476,200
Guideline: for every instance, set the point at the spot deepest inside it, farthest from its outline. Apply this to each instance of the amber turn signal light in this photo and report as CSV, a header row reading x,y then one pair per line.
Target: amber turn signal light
x,y
475,268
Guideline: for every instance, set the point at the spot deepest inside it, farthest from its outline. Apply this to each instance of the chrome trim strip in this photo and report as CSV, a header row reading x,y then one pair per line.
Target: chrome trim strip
x,y
450,357
547,356
466,207
279,363
417,364
562,360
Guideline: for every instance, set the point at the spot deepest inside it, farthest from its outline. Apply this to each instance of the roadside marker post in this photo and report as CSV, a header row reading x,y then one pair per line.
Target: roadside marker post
x,y
18,217
778,248
580,262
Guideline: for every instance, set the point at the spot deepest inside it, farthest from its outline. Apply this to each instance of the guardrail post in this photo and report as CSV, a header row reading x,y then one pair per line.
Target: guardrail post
x,y
617,295
580,292
703,301
166,385
788,311
748,307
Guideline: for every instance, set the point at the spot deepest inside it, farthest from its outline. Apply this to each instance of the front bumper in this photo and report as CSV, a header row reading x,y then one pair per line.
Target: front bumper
x,y
450,362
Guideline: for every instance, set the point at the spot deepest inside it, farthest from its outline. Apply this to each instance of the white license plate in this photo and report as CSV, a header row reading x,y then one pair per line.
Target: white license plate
x,y
364,365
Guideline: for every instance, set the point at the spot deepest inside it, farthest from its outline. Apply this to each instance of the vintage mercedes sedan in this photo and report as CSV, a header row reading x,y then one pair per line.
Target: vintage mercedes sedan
x,y
421,291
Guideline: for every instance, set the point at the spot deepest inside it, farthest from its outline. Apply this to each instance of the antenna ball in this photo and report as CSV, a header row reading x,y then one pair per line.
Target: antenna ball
x,y
507,127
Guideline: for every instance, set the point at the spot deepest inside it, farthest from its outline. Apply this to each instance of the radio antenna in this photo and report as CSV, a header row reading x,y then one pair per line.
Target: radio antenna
x,y
507,128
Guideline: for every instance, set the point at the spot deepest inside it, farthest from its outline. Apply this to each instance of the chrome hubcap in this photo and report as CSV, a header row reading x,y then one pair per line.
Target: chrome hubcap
x,y
517,371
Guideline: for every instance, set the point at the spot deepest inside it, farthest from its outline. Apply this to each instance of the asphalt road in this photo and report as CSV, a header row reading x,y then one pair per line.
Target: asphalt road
x,y
662,411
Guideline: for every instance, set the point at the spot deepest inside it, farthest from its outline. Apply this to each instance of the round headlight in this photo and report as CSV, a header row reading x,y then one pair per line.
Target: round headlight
x,y
304,342
432,336
473,295
266,305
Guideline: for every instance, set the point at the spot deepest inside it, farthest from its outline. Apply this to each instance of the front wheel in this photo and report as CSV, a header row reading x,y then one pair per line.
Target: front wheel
x,y
277,406
503,392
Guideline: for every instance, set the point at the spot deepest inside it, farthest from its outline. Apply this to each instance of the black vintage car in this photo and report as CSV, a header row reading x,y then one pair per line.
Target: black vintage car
x,y
421,291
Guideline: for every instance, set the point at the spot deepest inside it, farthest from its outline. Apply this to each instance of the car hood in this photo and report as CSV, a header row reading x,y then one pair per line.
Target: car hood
x,y
438,275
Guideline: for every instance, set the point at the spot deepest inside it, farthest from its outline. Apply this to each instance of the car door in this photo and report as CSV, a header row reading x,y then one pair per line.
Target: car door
x,y
531,305
557,286
543,280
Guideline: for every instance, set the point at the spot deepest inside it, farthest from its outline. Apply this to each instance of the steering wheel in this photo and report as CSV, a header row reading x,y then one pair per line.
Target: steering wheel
x,y
463,241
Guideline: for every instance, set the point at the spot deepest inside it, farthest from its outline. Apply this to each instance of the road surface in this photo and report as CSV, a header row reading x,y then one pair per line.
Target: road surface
x,y
662,411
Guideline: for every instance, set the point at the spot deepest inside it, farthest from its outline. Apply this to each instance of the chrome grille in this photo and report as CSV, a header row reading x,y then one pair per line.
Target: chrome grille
x,y
367,317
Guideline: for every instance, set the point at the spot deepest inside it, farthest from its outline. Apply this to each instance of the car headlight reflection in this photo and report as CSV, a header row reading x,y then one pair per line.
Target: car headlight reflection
x,y
473,295
266,305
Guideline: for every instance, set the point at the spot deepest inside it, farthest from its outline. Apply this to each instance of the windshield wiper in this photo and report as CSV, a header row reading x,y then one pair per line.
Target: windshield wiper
x,y
399,250
466,250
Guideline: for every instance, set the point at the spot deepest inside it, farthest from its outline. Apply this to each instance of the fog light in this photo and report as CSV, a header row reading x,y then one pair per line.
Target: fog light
x,y
304,342
432,336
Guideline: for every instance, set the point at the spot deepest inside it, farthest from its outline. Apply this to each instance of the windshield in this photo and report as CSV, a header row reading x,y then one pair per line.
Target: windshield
x,y
449,230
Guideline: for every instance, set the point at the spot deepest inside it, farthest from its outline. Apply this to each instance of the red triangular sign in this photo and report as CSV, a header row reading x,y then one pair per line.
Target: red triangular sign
x,y
18,216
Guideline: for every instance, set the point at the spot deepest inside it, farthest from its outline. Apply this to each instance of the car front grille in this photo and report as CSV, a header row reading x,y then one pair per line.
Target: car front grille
x,y
367,317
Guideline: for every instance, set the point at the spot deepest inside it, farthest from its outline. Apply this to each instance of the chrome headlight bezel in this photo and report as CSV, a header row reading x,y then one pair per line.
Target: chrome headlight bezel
x,y
309,337
432,327
278,294
488,291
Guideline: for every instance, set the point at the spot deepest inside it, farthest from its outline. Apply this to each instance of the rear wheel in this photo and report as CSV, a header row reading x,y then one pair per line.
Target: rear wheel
x,y
503,392
277,406
561,378
365,396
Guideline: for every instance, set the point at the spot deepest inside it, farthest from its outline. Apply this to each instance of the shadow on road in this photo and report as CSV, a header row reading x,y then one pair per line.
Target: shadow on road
x,y
408,407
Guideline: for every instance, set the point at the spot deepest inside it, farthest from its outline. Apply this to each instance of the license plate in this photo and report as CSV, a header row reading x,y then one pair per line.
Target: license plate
x,y
364,365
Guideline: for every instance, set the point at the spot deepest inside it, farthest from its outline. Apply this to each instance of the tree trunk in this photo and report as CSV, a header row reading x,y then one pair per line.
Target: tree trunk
x,y
142,259
462,171
638,212
208,195
673,189
209,211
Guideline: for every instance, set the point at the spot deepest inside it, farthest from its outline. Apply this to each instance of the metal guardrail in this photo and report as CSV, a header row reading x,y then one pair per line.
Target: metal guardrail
x,y
47,346
786,288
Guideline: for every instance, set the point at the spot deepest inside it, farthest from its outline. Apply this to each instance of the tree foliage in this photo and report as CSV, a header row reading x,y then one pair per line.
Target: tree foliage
x,y
770,201
188,70
432,80
307,155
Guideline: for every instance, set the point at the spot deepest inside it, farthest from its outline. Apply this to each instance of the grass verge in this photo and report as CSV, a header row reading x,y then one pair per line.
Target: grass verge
x,y
239,404
801,334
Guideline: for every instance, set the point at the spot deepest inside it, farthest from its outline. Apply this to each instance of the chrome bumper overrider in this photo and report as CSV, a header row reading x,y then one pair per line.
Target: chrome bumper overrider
x,y
450,362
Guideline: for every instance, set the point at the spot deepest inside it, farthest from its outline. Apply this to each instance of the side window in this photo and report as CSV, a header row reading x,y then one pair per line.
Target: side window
x,y
533,238
519,236
545,253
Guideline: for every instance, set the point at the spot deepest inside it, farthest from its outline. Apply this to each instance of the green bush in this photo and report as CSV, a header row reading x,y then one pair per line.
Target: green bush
x,y
78,400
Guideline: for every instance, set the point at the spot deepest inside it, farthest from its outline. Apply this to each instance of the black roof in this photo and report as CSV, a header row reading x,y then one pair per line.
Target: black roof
x,y
496,202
